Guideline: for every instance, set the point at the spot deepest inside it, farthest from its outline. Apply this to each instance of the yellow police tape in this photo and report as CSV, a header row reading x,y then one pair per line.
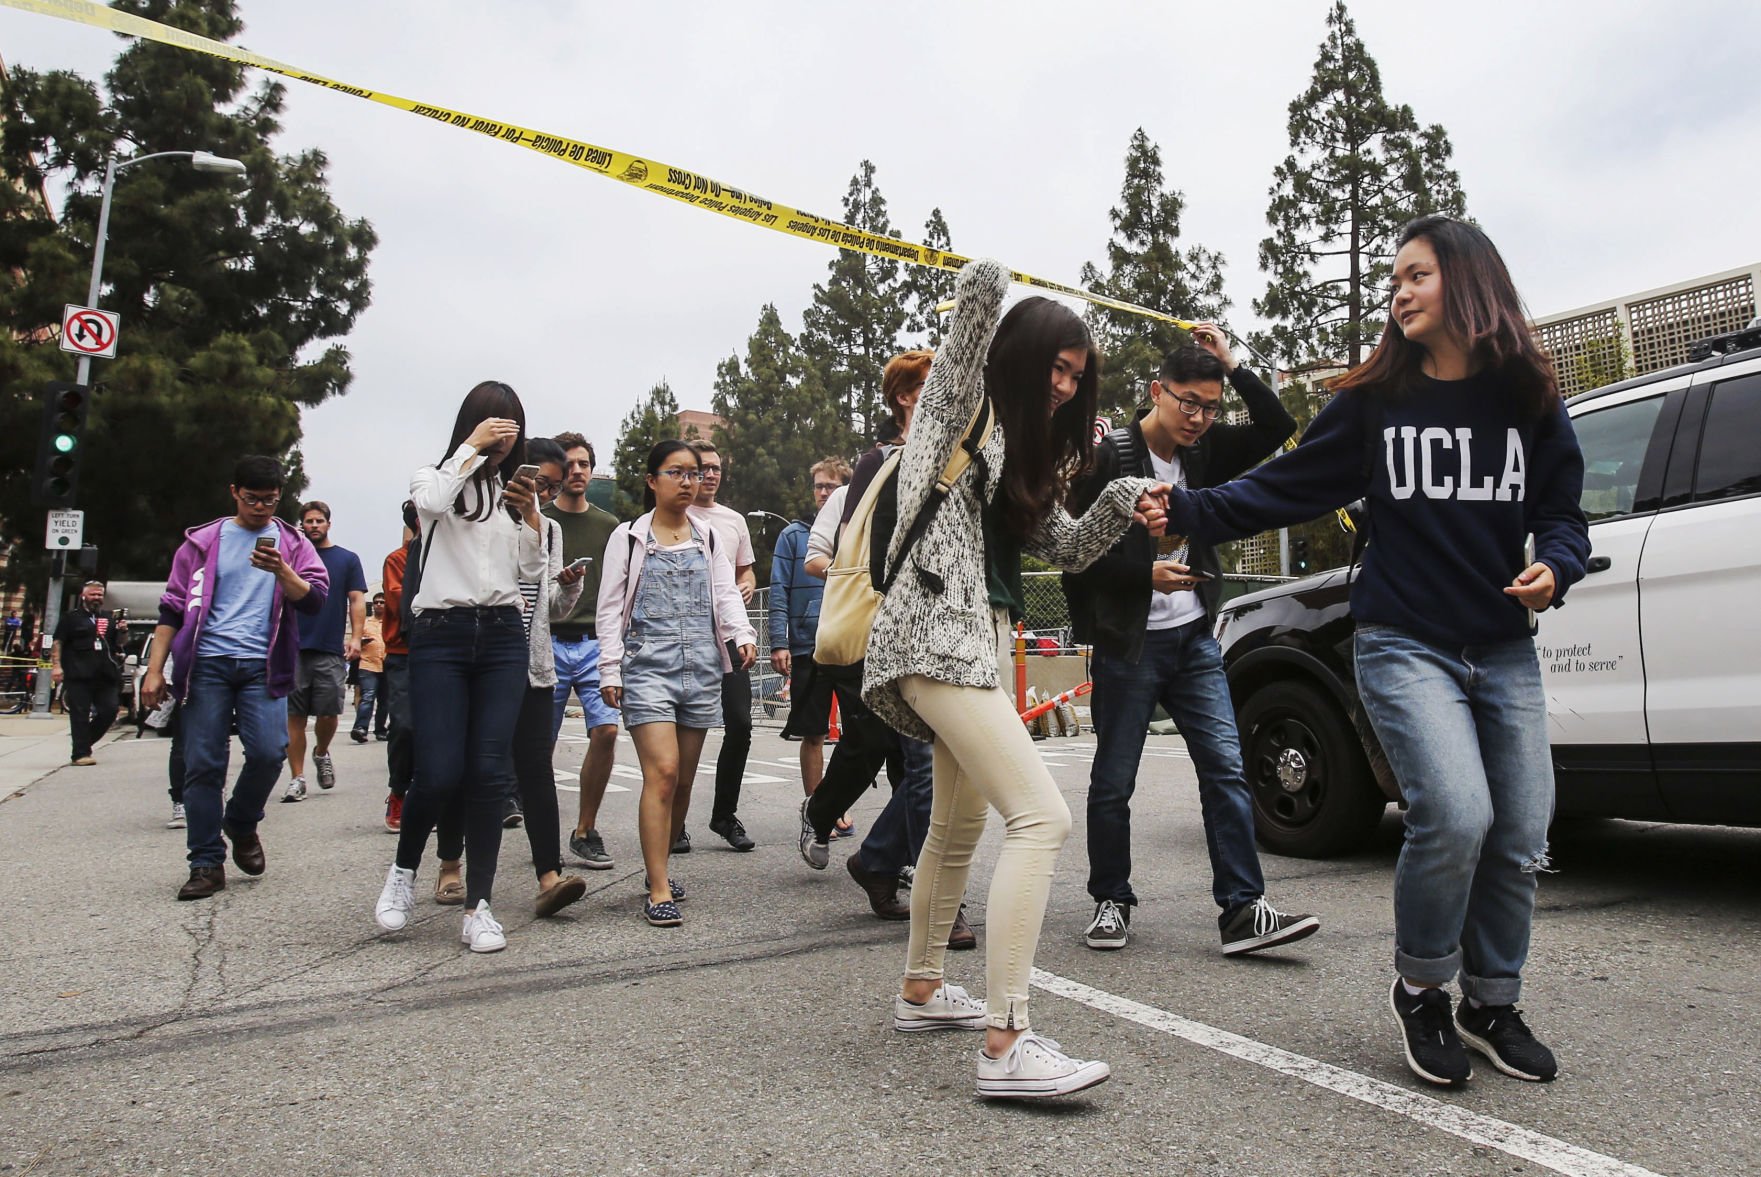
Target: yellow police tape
x,y
646,174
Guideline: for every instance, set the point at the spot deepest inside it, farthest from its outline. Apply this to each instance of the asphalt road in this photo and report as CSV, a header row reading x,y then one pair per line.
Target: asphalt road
x,y
274,1028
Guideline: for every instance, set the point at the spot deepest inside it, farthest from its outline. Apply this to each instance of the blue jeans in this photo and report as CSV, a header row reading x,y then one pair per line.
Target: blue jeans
x,y
219,690
896,838
1465,730
369,681
467,682
1182,669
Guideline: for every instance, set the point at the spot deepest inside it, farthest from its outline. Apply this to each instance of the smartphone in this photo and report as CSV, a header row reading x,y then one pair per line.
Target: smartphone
x,y
578,564
1197,575
265,542
526,471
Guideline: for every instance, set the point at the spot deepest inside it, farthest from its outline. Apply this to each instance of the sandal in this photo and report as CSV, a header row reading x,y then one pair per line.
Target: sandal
x,y
560,894
844,829
449,892
664,914
673,885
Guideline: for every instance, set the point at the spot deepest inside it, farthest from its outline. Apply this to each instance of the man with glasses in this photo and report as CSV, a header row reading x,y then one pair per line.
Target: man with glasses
x,y
730,763
794,624
230,616
86,660
1148,606
575,642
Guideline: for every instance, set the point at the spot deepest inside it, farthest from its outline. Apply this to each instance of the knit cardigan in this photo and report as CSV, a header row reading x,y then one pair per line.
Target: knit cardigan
x,y
555,602
950,635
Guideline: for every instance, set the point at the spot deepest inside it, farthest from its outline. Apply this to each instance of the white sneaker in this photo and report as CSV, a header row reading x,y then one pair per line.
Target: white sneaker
x,y
1036,1067
948,1008
397,900
296,790
814,852
177,820
481,931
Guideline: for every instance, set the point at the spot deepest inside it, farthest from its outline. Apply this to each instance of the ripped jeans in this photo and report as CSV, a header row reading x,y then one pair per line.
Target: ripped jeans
x,y
1465,730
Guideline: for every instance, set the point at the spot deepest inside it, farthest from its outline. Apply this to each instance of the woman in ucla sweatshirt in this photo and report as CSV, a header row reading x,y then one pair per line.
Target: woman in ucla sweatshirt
x,y
1454,433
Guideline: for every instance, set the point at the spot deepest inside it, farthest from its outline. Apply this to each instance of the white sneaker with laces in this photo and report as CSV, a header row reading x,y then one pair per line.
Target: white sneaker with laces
x,y
177,821
481,931
814,852
296,790
397,900
948,1008
1036,1067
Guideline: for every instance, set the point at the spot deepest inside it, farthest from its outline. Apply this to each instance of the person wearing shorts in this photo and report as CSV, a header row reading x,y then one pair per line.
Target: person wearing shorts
x,y
321,685
670,613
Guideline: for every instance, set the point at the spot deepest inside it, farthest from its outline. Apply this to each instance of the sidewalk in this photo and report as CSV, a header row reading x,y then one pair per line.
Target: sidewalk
x,y
31,749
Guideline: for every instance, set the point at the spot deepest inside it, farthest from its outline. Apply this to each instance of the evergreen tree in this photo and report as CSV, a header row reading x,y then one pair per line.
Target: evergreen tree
x,y
1360,168
852,327
655,418
922,288
228,288
1146,266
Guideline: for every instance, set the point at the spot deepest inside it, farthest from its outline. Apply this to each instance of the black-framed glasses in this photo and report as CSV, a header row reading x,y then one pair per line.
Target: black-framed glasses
x,y
251,500
1193,408
715,470
828,487
684,474
543,485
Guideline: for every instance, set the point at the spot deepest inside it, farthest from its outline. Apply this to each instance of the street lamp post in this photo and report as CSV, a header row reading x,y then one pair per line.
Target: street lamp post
x,y
201,161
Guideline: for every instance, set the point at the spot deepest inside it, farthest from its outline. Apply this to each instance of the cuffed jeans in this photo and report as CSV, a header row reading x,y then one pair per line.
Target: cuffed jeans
x,y
1465,731
467,681
984,758
219,690
895,838
1182,669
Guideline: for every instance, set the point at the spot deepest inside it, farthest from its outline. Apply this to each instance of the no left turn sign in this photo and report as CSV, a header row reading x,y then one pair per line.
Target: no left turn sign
x,y
88,331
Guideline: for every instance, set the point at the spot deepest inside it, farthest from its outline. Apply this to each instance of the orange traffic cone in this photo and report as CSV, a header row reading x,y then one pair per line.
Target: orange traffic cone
x,y
831,735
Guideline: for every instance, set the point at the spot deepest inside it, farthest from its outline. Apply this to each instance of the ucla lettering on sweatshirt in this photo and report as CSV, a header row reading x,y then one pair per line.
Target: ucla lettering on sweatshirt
x,y
1456,482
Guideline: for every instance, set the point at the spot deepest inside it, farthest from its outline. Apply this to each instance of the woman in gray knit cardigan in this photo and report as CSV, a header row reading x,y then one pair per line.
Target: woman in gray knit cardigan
x,y
943,629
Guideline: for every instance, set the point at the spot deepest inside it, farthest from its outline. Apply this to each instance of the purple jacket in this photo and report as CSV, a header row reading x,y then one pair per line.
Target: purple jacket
x,y
187,593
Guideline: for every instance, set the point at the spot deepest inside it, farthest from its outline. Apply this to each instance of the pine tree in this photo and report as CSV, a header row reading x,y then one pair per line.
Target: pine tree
x,y
228,288
922,288
852,327
1146,266
655,418
1359,169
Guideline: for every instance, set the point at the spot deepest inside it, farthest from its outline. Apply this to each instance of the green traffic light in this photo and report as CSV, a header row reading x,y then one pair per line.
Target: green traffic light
x,y
64,443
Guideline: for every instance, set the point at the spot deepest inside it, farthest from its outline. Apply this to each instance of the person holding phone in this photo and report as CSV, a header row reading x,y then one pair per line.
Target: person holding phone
x,y
1455,433
229,619
481,536
671,625
1148,607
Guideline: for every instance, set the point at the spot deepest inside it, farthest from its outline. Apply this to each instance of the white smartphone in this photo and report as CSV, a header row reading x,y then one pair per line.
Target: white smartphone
x,y
578,564
527,471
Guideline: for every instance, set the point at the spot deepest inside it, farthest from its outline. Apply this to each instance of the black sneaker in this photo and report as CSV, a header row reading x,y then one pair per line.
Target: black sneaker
x,y
1110,928
682,843
1498,1032
511,816
1427,1035
1259,925
590,849
730,830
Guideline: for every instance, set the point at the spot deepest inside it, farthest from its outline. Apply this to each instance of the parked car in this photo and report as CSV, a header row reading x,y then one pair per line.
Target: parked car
x,y
1652,667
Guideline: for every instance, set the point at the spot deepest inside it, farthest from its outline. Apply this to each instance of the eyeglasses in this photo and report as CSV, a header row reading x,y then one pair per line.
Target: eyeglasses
x,y
715,470
1193,408
828,487
543,485
251,500
682,474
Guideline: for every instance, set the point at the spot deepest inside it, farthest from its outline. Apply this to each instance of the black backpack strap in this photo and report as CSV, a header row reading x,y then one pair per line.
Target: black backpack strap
x,y
938,492
1131,462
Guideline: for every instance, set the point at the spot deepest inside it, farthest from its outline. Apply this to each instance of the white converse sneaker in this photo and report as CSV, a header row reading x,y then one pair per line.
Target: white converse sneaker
x,y
948,1008
397,900
177,821
481,931
1036,1067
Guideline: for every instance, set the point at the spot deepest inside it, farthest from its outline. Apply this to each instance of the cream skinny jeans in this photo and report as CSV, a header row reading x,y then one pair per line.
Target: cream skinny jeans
x,y
984,758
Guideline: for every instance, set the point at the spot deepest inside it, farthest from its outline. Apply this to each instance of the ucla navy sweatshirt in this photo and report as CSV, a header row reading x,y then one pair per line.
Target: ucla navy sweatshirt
x,y
1456,482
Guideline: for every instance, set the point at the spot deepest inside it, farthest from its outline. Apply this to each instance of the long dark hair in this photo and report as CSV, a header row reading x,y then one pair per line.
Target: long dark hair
x,y
489,399
661,451
1040,457
1481,308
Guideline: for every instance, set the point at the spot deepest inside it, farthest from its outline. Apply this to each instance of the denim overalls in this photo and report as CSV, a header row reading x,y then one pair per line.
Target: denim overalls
x,y
672,668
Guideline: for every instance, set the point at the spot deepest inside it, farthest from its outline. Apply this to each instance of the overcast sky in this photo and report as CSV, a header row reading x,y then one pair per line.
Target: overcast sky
x,y
1607,147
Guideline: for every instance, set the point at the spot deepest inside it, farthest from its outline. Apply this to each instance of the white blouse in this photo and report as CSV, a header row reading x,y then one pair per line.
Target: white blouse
x,y
467,563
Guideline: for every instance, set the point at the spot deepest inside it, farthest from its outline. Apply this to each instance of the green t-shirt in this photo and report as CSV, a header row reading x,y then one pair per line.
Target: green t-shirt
x,y
1002,562
585,533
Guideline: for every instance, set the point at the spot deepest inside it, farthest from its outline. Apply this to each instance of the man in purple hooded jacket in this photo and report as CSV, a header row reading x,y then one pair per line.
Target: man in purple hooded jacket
x,y
227,619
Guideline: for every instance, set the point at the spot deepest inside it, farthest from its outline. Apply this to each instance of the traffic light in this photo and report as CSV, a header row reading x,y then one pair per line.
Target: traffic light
x,y
1299,555
58,453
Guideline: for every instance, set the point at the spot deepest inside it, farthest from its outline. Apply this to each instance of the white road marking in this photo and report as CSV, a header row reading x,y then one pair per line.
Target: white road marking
x,y
570,782
1517,1141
